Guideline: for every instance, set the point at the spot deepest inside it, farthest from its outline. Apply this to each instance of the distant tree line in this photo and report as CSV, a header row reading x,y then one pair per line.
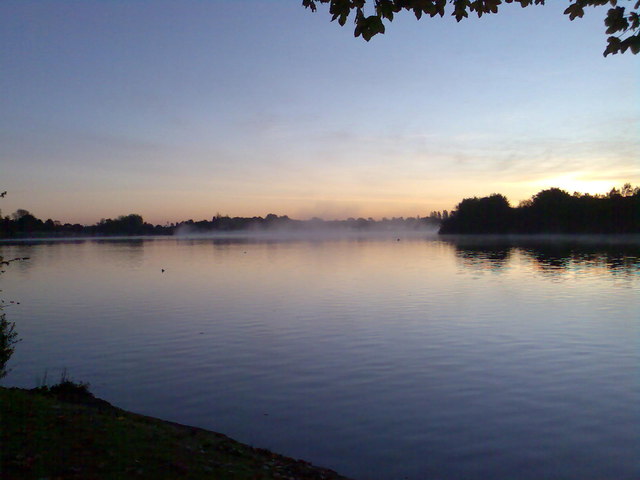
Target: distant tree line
x,y
221,223
549,211
23,224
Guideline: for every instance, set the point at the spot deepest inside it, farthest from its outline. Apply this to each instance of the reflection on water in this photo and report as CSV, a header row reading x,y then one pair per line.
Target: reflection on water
x,y
559,256
493,257
384,359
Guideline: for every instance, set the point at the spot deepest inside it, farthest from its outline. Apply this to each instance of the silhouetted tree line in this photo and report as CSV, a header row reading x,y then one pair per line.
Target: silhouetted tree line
x,y
439,215
221,223
549,211
22,224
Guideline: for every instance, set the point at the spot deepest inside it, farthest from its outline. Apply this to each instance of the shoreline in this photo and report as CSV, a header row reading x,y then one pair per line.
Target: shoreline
x,y
73,434
581,237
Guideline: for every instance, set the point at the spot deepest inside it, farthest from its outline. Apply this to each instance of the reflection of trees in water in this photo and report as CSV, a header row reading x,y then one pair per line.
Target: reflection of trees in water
x,y
549,258
125,251
33,249
617,259
122,252
483,256
552,256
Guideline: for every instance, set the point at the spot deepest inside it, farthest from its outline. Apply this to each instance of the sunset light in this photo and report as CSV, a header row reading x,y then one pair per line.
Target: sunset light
x,y
176,110
320,239
578,183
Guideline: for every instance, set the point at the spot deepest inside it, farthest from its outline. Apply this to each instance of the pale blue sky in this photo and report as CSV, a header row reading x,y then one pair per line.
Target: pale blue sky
x,y
183,109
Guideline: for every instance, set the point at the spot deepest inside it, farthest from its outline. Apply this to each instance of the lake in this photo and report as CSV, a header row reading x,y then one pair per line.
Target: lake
x,y
390,357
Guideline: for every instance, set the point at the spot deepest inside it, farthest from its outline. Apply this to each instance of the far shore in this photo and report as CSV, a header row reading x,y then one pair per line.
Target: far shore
x,y
302,235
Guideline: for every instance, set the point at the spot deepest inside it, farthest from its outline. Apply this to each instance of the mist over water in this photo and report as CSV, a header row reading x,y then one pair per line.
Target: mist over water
x,y
424,358
318,233
285,228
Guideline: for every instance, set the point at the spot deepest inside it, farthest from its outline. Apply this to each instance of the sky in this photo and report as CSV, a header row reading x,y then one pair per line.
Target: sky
x,y
187,109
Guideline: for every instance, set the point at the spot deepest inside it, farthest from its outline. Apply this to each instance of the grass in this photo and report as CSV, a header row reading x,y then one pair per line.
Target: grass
x,y
64,432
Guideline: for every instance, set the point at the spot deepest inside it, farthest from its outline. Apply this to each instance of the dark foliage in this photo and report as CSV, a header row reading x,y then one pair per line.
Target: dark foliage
x,y
622,23
23,224
488,215
8,339
67,390
8,334
550,211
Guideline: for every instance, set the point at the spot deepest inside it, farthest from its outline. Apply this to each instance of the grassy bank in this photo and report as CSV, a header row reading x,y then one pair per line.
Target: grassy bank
x,y
67,433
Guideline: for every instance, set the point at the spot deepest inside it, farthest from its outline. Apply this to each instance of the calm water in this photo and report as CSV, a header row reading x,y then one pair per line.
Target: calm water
x,y
383,359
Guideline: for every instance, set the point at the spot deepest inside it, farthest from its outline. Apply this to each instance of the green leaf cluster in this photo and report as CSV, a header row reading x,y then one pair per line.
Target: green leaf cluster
x,y
622,22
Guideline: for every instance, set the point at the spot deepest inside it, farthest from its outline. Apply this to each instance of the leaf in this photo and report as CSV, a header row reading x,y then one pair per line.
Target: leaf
x,y
385,9
616,21
574,10
634,44
369,27
309,4
613,46
617,18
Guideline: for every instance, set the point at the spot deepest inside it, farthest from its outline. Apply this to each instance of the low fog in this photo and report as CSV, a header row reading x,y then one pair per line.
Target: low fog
x,y
283,228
